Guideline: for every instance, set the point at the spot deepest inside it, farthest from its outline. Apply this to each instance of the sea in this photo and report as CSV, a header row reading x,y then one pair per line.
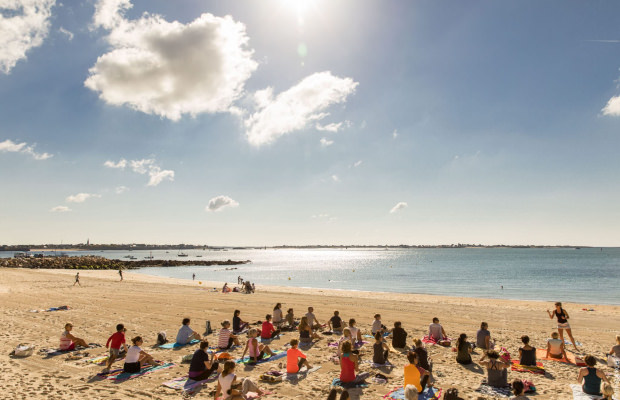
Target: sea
x,y
584,275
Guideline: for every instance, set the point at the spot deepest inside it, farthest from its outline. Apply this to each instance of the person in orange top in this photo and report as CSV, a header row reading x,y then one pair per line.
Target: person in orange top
x,y
415,375
295,359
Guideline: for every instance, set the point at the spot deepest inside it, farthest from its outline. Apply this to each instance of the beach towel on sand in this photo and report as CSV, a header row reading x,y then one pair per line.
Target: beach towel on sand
x,y
56,352
119,376
578,394
357,344
102,360
503,392
277,354
188,385
429,340
572,359
300,374
177,345
348,385
427,394
537,369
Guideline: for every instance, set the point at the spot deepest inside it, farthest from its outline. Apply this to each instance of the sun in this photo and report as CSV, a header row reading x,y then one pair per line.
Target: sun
x,y
301,8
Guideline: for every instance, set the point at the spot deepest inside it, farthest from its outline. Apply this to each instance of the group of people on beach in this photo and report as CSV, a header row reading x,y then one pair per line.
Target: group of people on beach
x,y
417,372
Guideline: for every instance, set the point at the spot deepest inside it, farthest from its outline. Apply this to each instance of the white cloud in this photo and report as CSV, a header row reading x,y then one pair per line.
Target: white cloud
x,y
613,107
65,32
24,24
335,178
357,163
395,134
296,107
8,146
60,209
220,202
333,127
325,142
121,189
363,124
81,197
398,206
325,217
122,163
144,166
170,68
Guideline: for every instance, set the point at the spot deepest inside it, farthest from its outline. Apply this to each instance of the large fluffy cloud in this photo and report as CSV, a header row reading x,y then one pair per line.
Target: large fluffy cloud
x,y
144,166
296,107
24,24
9,146
613,107
169,68
220,202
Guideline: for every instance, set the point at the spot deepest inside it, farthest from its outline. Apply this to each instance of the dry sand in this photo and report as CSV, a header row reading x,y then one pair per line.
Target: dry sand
x,y
147,305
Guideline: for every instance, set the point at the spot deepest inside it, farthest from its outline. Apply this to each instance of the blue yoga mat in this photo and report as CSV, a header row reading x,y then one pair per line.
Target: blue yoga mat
x,y
177,345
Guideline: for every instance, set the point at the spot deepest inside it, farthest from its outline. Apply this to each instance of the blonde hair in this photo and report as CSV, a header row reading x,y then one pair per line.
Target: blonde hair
x,y
345,331
618,339
411,392
253,332
418,342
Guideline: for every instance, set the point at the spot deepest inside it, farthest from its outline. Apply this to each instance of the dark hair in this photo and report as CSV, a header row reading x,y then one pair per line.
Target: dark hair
x,y
351,321
136,339
558,303
336,312
461,340
590,360
346,346
120,327
493,354
483,325
228,367
377,316
517,387
412,357
237,312
378,335
289,310
185,321
278,305
525,339
268,317
294,342
204,345
397,324
435,320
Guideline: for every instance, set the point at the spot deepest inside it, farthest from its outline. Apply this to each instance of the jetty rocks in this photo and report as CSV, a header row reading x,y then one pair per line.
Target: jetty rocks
x,y
95,262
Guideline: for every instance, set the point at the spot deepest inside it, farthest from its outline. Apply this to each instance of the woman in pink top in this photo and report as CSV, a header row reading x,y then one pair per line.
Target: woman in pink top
x,y
68,341
268,331
257,351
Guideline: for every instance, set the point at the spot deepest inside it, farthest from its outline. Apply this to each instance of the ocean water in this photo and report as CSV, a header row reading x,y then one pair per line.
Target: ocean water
x,y
587,275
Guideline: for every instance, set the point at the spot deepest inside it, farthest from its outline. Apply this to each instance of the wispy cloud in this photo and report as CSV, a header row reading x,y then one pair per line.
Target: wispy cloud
x,y
326,142
398,206
395,134
24,25
8,146
335,178
613,107
65,32
81,197
295,108
60,209
219,203
121,189
333,127
144,166
324,217
170,69
604,40
357,164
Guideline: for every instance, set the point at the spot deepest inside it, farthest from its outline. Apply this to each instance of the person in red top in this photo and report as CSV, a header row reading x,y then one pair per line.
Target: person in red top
x,y
349,364
268,331
114,343
295,359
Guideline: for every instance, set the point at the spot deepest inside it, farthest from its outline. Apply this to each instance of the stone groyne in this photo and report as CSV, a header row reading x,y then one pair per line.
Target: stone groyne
x,y
95,262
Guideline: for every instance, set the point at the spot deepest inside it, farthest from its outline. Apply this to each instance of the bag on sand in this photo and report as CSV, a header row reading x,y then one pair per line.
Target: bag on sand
x,y
208,330
452,394
161,338
23,350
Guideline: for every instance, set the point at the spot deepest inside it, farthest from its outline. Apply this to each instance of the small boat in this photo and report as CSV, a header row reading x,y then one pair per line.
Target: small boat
x,y
149,257
182,255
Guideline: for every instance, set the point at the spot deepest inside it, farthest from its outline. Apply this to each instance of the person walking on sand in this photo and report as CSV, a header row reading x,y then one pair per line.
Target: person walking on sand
x,y
77,279
120,272
114,343
562,317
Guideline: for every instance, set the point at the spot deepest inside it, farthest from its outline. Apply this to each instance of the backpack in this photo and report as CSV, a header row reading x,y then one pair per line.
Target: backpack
x,y
208,330
161,338
452,394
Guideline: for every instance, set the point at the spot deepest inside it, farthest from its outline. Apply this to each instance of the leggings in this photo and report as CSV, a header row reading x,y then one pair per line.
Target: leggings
x,y
206,374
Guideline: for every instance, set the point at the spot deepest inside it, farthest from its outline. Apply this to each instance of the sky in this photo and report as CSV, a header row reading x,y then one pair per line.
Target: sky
x,y
306,122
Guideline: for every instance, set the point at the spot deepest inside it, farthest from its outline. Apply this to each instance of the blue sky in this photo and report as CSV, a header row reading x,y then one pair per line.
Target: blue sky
x,y
310,122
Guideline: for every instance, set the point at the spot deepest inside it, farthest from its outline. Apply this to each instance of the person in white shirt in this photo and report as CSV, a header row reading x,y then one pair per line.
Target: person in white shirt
x,y
312,320
377,326
137,358
186,334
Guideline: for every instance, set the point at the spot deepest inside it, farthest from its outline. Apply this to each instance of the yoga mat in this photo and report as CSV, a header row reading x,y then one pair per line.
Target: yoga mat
x,y
538,369
295,376
578,394
572,359
432,341
186,384
427,394
348,385
176,345
504,392
276,356
120,376
357,344
102,360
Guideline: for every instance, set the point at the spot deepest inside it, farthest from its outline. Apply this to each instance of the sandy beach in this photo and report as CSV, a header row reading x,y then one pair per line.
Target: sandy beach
x,y
147,305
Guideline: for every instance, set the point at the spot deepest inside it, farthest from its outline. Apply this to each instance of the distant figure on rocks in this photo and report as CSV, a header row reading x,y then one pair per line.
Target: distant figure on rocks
x,y
77,279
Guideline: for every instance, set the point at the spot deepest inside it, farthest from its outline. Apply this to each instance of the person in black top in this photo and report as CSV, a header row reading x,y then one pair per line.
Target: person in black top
x,y
335,322
201,368
423,359
527,353
563,324
238,324
399,336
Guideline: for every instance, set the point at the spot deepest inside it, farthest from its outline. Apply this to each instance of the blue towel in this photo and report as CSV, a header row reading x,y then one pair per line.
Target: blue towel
x,y
177,345
399,394
276,356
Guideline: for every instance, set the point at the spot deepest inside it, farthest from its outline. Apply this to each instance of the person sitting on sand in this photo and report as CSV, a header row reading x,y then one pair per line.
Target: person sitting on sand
x,y
68,341
305,331
226,339
278,319
555,347
437,333
497,369
527,353
312,320
335,323
414,375
613,356
226,382
115,341
201,367
380,350
290,318
349,365
562,316
411,392
268,331
137,358
238,324
377,326
424,360
483,337
463,350
295,359
399,336
356,334
590,377
257,351
346,337
518,388
225,288
186,334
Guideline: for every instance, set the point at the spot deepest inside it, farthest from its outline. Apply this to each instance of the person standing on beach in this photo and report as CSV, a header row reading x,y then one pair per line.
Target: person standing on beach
x,y
562,317
120,272
114,343
193,277
77,279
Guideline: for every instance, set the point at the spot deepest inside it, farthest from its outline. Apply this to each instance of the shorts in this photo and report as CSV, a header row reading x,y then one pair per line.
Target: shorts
x,y
114,352
564,325
71,347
